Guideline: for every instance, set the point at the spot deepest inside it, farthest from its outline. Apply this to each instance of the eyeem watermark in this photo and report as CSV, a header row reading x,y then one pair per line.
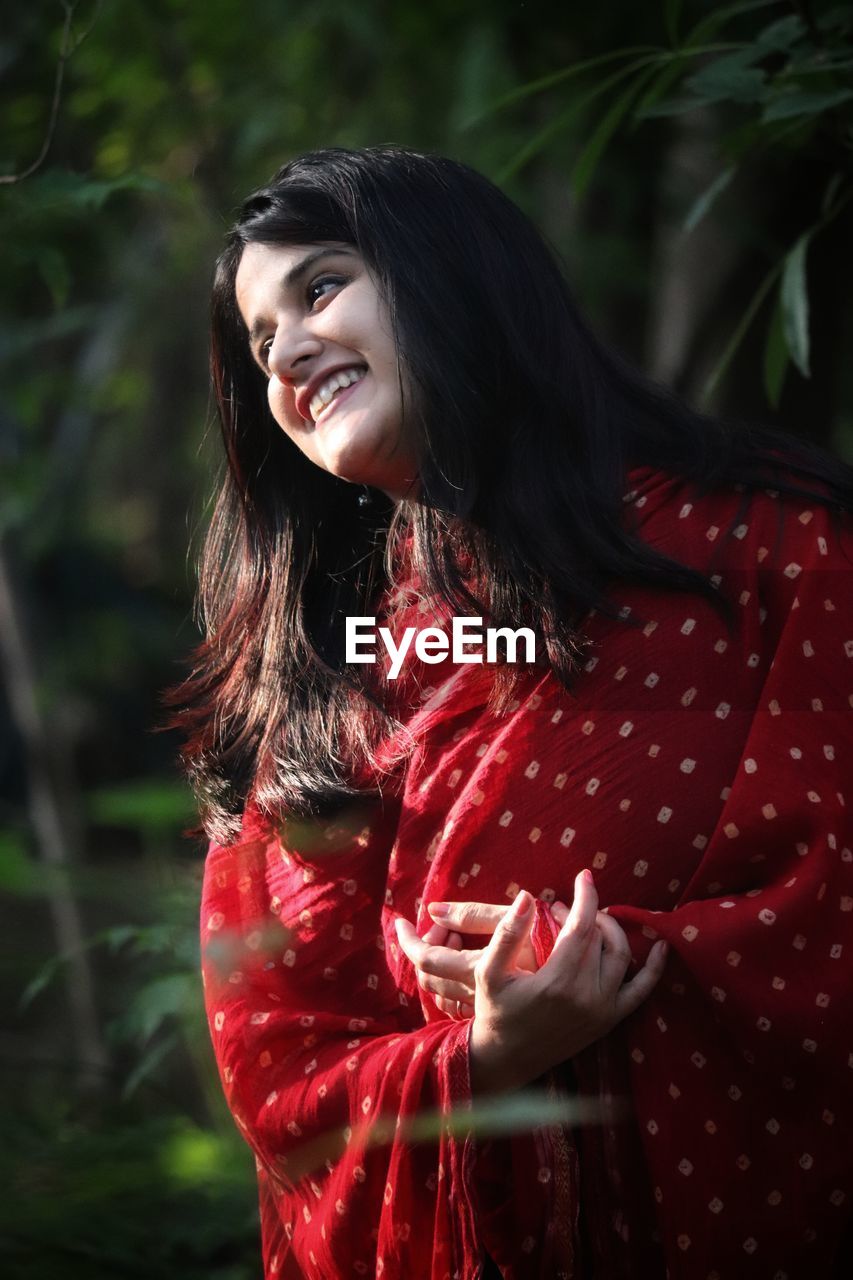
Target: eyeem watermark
x,y
433,645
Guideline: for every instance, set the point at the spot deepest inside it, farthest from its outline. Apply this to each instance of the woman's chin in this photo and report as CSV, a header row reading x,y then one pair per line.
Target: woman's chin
x,y
356,462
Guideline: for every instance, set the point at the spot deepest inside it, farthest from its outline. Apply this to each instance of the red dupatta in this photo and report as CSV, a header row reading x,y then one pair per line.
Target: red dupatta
x,y
700,771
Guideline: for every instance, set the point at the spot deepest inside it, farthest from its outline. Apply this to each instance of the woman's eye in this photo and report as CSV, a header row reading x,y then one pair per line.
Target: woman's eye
x,y
319,287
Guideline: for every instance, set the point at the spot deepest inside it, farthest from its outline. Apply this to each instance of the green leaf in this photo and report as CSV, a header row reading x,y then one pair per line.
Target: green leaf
x,y
671,15
603,132
665,78
53,269
142,805
714,21
540,140
18,873
148,1064
795,304
782,33
730,79
118,935
155,1003
553,78
832,189
775,356
41,981
94,194
703,203
838,16
669,107
802,102
740,331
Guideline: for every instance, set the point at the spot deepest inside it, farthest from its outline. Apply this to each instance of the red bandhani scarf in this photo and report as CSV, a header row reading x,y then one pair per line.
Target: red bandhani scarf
x,y
701,771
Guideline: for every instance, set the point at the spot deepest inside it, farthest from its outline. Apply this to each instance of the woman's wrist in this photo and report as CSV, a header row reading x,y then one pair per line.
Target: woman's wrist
x,y
496,1068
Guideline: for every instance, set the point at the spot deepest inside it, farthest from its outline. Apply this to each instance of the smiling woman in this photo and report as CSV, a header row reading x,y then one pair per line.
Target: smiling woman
x,y
619,873
321,332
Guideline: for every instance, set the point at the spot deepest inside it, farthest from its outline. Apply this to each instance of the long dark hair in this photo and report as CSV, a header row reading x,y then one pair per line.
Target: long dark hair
x,y
527,426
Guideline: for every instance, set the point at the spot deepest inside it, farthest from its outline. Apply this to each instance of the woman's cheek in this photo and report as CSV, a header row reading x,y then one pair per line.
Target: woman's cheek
x,y
282,403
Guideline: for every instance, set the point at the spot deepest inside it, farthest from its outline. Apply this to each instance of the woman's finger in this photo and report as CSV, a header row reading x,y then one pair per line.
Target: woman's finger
x,y
444,987
450,1007
560,912
632,995
431,958
506,942
575,936
437,934
616,954
468,917
459,1010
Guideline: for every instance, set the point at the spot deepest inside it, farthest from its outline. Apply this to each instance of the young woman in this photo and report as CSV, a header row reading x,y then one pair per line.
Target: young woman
x,y
418,428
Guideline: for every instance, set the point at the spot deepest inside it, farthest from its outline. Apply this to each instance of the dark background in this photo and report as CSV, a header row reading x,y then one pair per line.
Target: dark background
x,y
691,163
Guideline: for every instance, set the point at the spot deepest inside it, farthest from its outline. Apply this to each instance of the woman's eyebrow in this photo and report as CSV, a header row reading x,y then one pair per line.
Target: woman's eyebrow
x,y
296,274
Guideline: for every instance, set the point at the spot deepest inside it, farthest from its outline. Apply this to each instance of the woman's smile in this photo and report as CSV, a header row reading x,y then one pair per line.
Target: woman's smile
x,y
332,389
321,332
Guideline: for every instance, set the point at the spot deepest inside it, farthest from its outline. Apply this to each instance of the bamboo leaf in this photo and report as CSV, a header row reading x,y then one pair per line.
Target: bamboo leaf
x,y
604,131
40,982
782,33
795,304
538,142
670,72
740,330
729,79
775,356
801,102
553,78
720,17
669,107
544,136
702,205
148,1064
671,15
832,189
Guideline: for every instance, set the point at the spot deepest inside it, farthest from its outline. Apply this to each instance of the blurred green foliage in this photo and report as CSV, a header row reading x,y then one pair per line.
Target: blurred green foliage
x,y
690,162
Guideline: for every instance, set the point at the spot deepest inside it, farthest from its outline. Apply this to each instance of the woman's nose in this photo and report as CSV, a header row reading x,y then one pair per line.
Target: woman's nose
x,y
291,351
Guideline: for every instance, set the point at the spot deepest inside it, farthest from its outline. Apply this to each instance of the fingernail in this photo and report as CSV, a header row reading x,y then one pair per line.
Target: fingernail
x,y
522,902
587,875
439,910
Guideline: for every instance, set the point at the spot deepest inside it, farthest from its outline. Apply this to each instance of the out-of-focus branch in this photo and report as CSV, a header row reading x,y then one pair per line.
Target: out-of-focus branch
x,y
68,44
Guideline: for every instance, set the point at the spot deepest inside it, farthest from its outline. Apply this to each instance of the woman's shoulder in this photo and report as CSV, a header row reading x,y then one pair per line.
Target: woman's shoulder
x,y
733,526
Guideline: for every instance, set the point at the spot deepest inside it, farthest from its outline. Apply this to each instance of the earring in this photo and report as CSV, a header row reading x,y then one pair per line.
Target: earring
x,y
365,498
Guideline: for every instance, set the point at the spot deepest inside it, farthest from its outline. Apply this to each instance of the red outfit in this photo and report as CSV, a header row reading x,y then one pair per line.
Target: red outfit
x,y
701,771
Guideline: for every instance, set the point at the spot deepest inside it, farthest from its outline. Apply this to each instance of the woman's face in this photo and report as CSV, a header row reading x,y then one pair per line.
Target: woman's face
x,y
321,333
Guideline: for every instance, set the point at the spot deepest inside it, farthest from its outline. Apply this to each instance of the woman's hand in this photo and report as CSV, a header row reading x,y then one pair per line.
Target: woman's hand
x,y
441,964
441,949
526,1023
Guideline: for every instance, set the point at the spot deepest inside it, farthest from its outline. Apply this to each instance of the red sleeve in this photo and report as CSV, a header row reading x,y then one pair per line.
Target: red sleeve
x,y
324,1059
739,1068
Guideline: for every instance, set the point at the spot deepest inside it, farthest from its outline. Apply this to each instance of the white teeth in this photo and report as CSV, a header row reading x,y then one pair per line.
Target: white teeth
x,y
324,394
